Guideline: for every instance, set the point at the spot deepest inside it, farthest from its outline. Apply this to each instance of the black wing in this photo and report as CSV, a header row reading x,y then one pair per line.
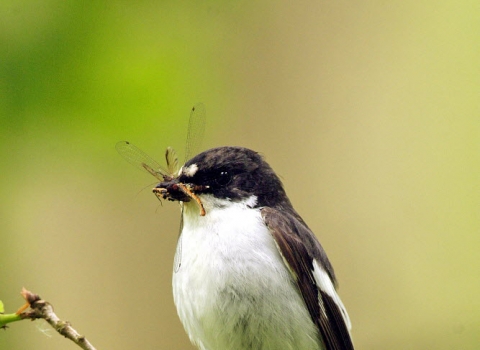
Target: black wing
x,y
300,249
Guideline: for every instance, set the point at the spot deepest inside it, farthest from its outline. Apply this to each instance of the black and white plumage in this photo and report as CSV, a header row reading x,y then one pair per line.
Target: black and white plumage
x,y
249,272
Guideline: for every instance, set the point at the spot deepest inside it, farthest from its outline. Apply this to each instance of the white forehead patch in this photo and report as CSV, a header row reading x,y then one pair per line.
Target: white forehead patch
x,y
190,170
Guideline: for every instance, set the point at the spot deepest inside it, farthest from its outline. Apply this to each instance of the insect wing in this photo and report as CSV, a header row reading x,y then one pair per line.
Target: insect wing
x,y
140,159
172,161
177,262
196,130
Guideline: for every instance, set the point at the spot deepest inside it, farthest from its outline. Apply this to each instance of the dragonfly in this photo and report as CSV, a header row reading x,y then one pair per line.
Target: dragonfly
x,y
135,156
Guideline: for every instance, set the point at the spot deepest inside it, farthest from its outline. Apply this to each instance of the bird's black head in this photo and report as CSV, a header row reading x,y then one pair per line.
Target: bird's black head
x,y
230,173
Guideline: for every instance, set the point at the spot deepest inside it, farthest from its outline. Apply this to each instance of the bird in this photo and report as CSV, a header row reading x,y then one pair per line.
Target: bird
x,y
248,272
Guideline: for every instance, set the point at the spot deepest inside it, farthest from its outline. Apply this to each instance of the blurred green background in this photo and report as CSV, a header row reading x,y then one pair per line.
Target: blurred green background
x,y
368,110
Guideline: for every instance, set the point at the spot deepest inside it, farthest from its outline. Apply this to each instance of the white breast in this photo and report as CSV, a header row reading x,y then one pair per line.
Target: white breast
x,y
232,290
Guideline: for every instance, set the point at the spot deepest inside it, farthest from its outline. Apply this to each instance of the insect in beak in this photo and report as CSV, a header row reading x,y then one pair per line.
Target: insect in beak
x,y
186,189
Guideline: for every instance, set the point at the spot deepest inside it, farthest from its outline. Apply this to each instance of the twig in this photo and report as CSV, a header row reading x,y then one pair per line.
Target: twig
x,y
7,318
42,309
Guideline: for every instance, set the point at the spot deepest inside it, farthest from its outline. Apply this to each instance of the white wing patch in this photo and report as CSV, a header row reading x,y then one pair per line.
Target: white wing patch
x,y
325,283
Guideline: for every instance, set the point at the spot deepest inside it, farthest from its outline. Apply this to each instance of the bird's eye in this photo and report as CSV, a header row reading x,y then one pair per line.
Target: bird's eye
x,y
223,178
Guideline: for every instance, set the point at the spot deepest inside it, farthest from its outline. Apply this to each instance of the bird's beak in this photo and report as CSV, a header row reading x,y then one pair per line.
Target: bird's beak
x,y
178,191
